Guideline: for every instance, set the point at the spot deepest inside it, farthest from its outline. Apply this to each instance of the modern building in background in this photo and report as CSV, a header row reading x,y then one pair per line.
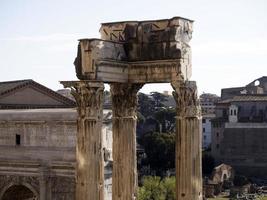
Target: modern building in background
x,y
239,131
207,103
37,143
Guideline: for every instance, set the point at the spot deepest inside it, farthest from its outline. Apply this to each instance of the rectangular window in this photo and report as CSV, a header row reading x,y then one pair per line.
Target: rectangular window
x,y
18,139
203,120
217,146
203,130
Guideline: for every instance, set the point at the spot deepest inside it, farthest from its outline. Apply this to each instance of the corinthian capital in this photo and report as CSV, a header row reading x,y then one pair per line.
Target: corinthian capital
x,y
88,96
124,99
185,95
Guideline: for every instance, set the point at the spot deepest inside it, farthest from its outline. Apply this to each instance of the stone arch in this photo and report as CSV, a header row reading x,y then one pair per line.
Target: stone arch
x,y
12,184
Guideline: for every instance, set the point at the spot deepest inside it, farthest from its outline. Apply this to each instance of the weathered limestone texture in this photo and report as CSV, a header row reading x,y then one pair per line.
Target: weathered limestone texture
x,y
124,104
128,55
45,160
89,150
151,51
188,141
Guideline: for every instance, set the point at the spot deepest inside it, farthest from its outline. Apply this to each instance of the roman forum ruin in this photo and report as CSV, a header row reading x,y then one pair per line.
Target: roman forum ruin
x,y
129,55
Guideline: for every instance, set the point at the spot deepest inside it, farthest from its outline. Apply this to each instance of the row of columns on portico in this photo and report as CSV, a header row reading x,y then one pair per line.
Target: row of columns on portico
x,y
89,150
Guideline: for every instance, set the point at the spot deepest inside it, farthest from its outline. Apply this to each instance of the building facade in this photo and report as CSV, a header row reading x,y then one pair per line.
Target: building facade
x,y
207,103
239,131
38,156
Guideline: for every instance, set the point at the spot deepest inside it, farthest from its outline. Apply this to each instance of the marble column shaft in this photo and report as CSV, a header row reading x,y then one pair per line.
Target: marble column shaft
x,y
89,153
124,105
188,141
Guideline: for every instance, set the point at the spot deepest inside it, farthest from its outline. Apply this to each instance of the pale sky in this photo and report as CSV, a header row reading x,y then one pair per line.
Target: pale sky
x,y
38,38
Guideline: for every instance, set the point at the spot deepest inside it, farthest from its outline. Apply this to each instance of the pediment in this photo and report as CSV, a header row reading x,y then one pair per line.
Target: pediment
x,y
33,95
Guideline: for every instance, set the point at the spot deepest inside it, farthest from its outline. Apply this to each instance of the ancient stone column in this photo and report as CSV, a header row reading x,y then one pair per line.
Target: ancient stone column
x,y
188,141
124,175
89,153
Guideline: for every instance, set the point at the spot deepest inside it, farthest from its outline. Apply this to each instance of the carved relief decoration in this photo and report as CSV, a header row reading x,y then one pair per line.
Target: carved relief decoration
x,y
88,96
63,187
6,180
124,99
185,95
62,184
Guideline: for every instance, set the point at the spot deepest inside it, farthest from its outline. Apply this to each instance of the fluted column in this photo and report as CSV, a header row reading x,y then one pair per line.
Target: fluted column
x,y
188,141
124,175
89,154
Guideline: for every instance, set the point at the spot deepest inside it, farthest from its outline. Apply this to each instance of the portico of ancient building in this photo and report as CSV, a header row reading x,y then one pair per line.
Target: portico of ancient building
x,y
129,55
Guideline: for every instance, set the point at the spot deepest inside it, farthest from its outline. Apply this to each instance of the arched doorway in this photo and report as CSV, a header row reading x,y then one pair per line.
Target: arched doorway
x,y
19,192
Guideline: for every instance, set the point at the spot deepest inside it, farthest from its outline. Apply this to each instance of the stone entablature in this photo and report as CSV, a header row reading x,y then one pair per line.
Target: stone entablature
x,y
128,48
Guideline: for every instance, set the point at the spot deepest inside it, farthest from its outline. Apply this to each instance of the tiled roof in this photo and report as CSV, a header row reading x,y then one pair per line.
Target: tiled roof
x,y
246,97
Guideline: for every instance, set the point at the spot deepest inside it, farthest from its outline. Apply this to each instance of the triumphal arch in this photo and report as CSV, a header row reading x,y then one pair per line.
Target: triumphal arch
x,y
129,55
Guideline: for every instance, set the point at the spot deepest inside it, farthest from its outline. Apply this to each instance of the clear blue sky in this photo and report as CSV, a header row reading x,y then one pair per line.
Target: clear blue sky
x,y
38,38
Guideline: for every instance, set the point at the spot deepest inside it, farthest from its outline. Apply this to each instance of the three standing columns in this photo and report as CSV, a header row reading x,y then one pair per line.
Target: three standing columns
x,y
124,174
188,141
89,154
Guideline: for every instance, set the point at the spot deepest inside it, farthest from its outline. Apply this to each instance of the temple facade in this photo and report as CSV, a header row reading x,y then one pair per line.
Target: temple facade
x,y
129,55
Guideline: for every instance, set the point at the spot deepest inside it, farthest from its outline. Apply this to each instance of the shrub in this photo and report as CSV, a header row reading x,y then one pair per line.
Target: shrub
x,y
155,188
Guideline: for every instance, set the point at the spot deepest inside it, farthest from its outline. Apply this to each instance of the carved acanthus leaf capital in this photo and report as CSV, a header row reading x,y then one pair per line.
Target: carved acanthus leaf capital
x,y
124,99
88,96
185,95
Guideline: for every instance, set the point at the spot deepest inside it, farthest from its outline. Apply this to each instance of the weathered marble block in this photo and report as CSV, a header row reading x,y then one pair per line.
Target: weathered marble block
x,y
122,44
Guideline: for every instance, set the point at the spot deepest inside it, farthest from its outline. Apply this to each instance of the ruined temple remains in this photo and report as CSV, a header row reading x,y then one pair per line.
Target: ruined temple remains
x,y
129,55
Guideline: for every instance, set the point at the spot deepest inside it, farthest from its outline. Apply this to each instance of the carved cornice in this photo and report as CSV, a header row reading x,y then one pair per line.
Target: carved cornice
x,y
187,102
130,66
124,99
88,96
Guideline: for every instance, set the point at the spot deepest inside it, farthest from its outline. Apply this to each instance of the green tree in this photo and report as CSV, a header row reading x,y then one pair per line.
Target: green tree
x,y
166,117
152,189
160,151
169,187
158,98
146,105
